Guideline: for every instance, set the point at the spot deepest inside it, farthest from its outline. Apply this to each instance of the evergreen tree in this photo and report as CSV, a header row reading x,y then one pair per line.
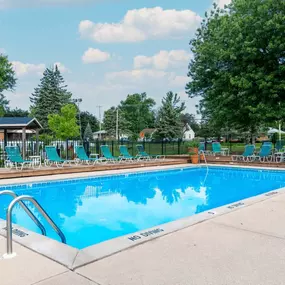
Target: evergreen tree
x,y
88,118
88,134
50,96
7,81
169,123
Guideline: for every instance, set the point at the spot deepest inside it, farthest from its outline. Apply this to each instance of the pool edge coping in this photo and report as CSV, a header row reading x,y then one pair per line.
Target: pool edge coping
x,y
74,258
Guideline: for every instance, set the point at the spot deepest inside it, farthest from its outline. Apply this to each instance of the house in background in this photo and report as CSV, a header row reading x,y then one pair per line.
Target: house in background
x,y
188,133
100,135
148,134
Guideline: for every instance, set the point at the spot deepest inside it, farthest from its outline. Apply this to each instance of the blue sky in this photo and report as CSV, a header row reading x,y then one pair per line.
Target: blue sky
x,y
105,49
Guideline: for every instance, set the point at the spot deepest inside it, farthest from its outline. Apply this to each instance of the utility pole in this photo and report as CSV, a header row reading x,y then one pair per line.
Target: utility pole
x,y
117,123
100,126
77,102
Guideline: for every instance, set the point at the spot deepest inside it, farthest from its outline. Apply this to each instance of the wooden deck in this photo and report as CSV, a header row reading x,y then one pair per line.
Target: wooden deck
x,y
227,160
43,171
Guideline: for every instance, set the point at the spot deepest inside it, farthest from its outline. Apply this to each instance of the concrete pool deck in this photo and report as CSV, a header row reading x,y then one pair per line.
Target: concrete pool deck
x,y
243,246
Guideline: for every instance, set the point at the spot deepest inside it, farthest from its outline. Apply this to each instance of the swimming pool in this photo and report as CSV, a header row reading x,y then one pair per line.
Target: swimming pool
x,y
97,209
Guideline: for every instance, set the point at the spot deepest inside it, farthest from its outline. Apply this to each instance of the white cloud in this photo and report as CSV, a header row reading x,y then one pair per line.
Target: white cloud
x,y
179,81
142,24
22,69
95,56
140,78
163,60
62,68
222,3
136,76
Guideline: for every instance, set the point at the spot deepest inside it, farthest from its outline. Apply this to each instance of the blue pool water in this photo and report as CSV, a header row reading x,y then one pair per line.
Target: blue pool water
x,y
94,210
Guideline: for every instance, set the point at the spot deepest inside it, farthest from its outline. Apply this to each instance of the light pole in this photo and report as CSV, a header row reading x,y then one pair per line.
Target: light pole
x,y
100,125
77,101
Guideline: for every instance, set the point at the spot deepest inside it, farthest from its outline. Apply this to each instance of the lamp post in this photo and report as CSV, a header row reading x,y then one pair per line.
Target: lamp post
x,y
77,101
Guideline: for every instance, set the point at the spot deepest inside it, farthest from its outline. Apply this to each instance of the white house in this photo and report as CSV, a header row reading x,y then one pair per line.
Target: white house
x,y
188,133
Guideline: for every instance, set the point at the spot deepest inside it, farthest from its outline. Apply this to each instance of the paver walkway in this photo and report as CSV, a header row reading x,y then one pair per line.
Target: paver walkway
x,y
246,246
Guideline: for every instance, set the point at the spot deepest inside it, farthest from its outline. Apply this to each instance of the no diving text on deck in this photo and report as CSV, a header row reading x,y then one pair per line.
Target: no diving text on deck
x,y
145,234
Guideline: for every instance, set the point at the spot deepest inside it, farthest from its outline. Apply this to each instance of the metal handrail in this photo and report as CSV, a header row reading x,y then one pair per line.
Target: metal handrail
x,y
203,152
26,209
42,211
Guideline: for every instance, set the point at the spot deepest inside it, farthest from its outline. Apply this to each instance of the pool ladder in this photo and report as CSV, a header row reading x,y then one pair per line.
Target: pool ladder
x,y
19,199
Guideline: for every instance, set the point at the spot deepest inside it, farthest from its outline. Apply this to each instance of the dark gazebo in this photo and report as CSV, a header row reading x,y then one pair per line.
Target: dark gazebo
x,y
20,123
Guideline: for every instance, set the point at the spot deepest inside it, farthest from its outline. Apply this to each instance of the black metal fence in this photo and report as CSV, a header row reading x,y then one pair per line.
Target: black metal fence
x,y
66,148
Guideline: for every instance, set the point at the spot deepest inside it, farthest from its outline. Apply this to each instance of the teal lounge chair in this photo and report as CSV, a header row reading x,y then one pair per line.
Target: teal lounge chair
x,y
265,154
108,155
143,154
83,157
216,148
124,153
54,158
202,148
247,154
279,146
15,158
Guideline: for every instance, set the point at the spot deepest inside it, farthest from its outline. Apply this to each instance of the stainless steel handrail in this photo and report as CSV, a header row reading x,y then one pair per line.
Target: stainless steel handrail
x,y
42,211
26,209
203,152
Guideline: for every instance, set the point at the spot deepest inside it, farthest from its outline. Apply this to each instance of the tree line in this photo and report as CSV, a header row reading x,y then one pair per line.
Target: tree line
x,y
53,106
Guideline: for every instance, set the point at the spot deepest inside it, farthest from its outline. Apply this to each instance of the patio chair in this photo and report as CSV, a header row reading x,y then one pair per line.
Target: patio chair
x,y
279,146
82,157
124,153
143,154
265,154
217,149
202,148
247,154
108,155
54,158
15,158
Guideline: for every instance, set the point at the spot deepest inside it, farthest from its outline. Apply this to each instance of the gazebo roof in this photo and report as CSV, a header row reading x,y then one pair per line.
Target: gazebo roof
x,y
19,123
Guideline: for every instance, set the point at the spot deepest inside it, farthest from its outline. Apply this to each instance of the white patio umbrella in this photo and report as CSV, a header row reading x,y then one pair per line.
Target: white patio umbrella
x,y
276,131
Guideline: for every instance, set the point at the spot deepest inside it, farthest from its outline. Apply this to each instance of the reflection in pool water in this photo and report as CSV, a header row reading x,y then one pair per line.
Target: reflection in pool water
x,y
90,211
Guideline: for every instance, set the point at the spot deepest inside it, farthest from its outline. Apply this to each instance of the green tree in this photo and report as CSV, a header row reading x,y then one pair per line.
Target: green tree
x,y
169,124
189,119
88,118
238,67
110,119
137,109
64,125
16,113
50,96
7,81
88,134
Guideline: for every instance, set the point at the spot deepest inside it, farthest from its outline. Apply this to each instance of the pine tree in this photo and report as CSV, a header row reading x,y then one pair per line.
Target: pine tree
x,y
50,96
88,134
169,123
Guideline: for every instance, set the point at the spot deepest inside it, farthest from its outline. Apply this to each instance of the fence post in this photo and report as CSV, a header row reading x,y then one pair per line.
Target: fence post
x,y
97,146
67,149
162,147
179,143
113,148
